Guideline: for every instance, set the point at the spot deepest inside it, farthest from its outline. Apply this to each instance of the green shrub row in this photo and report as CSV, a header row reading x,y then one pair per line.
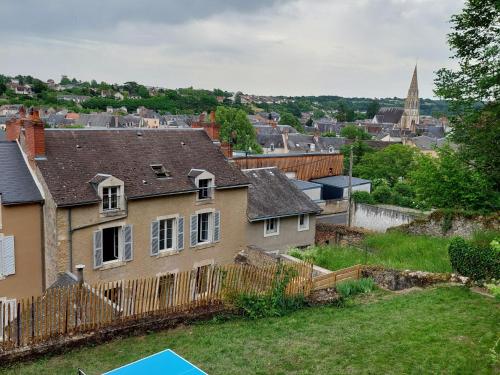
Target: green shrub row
x,y
473,260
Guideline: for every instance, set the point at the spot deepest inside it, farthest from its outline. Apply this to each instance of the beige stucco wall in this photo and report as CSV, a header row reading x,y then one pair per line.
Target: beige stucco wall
x,y
230,202
24,222
288,237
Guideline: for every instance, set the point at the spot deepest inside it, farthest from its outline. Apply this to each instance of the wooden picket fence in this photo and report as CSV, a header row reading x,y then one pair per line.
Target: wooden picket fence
x,y
331,279
83,308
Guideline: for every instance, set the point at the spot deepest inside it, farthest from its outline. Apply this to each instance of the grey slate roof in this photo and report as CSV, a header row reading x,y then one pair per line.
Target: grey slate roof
x,y
16,183
389,114
2,135
305,185
63,280
128,154
271,194
341,181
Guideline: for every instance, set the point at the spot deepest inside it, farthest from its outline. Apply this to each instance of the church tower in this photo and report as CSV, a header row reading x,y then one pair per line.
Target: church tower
x,y
411,113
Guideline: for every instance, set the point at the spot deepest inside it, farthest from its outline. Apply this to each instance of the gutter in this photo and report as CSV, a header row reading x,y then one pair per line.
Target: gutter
x,y
261,218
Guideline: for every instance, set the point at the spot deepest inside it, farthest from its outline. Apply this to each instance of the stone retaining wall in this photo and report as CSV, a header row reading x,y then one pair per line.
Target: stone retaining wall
x,y
338,234
448,224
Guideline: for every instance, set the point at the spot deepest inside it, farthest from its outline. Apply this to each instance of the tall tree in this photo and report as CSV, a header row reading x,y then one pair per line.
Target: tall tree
x,y
473,88
354,132
372,108
237,129
287,118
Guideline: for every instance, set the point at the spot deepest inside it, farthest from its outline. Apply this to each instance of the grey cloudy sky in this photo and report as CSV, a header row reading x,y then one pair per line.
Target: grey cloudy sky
x,y
295,47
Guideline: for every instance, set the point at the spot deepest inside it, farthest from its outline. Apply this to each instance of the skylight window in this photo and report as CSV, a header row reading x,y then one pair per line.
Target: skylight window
x,y
160,171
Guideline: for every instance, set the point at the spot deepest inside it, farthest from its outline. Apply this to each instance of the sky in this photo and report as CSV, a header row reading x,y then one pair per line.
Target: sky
x,y
354,48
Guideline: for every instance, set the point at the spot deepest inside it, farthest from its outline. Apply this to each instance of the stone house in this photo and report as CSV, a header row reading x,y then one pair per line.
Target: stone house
x,y
134,203
21,227
280,216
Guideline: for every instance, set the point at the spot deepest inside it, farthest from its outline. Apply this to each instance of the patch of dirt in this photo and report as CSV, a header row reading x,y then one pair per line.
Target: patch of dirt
x,y
482,291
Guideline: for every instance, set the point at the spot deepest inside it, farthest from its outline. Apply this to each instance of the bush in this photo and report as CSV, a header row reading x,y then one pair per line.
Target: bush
x,y
363,197
382,194
476,262
351,288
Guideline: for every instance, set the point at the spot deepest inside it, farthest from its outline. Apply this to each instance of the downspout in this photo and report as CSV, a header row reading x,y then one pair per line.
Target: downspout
x,y
70,241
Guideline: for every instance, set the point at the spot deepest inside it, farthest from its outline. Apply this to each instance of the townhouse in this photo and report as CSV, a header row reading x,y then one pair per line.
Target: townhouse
x,y
133,203
21,227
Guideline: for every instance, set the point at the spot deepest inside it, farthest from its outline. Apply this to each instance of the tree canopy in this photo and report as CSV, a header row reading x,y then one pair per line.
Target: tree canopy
x,y
287,118
393,164
352,131
473,88
237,129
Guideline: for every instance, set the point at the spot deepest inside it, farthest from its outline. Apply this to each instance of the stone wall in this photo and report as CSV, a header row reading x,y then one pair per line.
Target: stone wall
x,y
451,224
256,256
338,234
379,219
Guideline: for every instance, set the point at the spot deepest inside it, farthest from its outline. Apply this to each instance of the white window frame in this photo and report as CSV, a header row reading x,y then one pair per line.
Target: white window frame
x,y
306,223
121,242
112,181
208,189
175,233
110,200
210,229
120,245
276,232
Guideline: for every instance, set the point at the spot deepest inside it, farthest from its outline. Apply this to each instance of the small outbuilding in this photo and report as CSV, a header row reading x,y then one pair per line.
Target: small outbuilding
x,y
337,187
280,216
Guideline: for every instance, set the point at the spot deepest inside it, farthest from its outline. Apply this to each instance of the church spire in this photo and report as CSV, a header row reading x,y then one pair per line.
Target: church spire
x,y
411,114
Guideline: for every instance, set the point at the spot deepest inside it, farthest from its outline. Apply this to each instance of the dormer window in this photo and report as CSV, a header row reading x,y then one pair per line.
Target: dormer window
x,y
160,171
204,182
110,198
205,190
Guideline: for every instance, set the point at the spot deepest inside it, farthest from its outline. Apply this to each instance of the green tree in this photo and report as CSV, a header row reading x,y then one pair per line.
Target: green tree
x,y
448,182
317,114
309,122
354,132
344,112
287,118
237,129
39,86
473,88
393,163
372,109
359,149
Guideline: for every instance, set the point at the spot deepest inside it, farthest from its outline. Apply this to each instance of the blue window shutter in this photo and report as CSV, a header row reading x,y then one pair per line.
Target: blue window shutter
x,y
97,249
216,226
155,237
180,233
8,255
128,243
194,230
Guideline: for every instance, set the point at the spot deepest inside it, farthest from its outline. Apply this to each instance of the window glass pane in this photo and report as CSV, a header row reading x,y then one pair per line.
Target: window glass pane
x,y
169,233
203,227
162,234
110,243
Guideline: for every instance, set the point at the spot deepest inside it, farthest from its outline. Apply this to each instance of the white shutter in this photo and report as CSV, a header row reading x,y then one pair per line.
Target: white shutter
x,y
216,226
97,249
9,258
194,230
128,243
180,233
155,237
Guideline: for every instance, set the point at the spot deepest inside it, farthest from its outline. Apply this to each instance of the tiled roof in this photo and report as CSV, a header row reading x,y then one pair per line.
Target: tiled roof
x,y
74,157
16,183
389,114
272,194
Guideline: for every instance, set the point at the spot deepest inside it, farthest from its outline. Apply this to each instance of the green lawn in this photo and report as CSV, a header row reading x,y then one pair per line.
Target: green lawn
x,y
393,250
446,330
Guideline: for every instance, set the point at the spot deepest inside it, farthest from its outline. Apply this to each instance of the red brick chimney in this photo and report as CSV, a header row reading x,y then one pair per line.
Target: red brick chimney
x,y
13,129
34,132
